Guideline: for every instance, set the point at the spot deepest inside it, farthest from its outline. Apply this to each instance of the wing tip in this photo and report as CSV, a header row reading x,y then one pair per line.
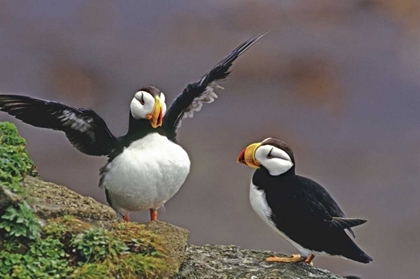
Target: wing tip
x,y
365,258
259,36
347,222
359,222
221,70
250,42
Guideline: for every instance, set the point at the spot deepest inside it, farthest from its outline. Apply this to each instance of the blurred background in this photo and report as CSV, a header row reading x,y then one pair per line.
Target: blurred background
x,y
338,80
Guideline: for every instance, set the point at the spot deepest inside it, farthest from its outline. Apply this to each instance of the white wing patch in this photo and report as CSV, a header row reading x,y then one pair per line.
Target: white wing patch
x,y
208,96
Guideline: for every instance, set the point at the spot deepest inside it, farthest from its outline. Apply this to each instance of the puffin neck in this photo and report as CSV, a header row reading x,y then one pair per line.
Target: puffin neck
x,y
138,129
290,172
263,179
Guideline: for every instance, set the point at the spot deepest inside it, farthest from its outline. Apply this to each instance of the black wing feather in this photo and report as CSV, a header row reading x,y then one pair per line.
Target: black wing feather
x,y
345,223
322,205
85,129
312,203
195,94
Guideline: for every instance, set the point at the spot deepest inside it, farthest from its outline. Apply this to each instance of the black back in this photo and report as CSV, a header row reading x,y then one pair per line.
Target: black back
x,y
303,210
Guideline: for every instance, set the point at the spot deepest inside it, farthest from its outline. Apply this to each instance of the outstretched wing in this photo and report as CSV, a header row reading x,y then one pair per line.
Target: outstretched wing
x,y
85,129
196,94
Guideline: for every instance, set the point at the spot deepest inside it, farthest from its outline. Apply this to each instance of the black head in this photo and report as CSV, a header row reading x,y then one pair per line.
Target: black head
x,y
155,92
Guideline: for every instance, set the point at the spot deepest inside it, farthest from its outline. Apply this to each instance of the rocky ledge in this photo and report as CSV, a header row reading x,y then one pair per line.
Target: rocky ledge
x,y
49,231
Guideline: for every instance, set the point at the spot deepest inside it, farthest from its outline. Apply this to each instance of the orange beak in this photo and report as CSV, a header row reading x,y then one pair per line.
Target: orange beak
x,y
247,156
156,116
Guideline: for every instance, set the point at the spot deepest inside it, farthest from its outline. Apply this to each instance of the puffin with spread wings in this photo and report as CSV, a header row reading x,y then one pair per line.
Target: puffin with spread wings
x,y
147,166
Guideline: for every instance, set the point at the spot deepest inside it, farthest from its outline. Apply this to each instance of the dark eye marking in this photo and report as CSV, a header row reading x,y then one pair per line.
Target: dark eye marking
x,y
142,99
269,156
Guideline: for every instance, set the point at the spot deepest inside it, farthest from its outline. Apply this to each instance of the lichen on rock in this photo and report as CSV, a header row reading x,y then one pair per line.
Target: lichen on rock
x,y
224,262
50,200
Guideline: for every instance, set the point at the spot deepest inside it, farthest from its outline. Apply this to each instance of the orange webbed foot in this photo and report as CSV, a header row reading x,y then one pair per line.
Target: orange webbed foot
x,y
295,258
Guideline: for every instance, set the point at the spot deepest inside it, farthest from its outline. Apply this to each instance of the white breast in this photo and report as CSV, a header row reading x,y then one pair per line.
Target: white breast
x,y
146,175
260,206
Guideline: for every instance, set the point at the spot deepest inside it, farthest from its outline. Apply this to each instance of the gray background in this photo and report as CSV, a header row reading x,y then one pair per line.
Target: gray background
x,y
338,80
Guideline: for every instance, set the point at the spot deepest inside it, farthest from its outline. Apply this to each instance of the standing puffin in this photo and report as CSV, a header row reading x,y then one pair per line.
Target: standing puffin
x,y
297,208
146,167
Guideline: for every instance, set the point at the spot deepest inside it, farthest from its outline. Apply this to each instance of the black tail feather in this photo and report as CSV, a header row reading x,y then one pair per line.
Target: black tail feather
x,y
346,223
351,251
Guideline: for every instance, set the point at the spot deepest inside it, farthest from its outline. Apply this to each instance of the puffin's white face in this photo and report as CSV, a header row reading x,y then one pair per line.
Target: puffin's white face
x,y
145,106
269,155
274,159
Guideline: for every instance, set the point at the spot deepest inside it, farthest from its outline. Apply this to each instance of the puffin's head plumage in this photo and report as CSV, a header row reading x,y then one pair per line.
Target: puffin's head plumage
x,y
272,154
149,103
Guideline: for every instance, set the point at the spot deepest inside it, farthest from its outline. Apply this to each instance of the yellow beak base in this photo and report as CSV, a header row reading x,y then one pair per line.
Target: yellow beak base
x,y
156,115
247,156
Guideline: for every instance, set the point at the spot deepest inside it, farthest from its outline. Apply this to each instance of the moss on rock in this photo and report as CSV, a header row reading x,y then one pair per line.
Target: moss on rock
x,y
80,237
124,250
14,159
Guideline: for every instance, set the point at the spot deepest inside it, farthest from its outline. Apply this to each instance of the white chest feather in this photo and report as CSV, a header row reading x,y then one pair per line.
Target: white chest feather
x,y
260,206
147,174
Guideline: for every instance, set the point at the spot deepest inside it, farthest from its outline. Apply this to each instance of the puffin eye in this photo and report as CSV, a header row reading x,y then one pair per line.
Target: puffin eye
x,y
269,156
142,99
